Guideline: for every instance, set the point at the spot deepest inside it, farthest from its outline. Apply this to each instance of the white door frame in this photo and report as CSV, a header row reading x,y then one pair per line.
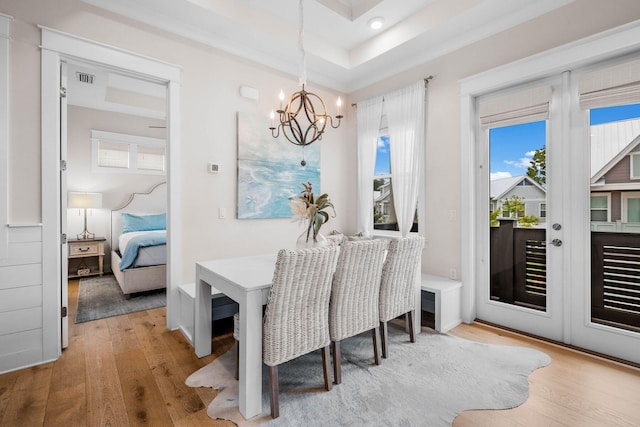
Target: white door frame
x,y
610,44
547,323
64,255
56,47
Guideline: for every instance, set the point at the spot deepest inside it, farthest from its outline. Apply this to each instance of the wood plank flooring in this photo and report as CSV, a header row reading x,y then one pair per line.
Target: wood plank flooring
x,y
129,370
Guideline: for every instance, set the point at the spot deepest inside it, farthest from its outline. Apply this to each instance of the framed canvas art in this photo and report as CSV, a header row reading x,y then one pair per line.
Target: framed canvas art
x,y
269,169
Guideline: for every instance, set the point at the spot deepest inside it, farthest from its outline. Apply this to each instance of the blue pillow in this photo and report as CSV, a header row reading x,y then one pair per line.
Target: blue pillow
x,y
133,222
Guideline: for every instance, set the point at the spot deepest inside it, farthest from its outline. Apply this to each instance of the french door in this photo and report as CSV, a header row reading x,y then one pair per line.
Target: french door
x,y
520,277
559,233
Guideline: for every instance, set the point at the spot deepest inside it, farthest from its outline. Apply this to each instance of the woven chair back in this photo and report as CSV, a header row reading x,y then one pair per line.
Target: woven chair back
x,y
355,292
296,319
397,287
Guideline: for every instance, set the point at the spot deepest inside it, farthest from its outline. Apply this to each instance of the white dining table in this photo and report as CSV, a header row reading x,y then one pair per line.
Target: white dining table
x,y
246,280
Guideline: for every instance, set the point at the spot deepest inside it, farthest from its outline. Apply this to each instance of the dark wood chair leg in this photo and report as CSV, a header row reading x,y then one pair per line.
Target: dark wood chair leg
x,y
237,370
273,391
383,338
376,338
325,367
337,362
412,334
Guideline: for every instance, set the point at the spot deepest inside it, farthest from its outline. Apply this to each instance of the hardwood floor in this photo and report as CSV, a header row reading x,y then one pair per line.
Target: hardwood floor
x,y
129,370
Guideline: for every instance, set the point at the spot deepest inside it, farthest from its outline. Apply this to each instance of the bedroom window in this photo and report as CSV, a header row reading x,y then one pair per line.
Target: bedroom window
x,y
122,153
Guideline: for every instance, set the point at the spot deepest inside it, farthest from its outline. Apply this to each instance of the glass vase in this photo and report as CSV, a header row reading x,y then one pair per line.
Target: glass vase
x,y
303,242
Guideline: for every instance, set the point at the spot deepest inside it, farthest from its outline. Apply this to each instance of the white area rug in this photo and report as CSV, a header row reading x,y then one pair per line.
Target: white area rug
x,y
427,383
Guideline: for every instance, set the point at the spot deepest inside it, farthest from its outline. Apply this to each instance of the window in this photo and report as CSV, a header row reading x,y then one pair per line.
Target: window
x,y
635,166
600,207
384,214
543,210
631,207
121,153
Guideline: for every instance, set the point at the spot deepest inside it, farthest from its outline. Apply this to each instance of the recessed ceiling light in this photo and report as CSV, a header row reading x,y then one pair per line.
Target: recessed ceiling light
x,y
376,23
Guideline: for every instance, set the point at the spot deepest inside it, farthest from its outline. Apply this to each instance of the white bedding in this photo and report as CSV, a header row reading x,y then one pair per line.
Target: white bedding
x,y
147,256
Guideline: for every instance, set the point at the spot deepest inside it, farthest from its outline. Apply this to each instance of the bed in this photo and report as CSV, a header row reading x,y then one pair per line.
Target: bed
x,y
138,226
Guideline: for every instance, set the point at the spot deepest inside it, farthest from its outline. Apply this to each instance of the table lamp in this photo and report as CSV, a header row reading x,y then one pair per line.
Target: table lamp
x,y
85,201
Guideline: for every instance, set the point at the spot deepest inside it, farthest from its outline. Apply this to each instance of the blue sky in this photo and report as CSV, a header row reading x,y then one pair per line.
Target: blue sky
x,y
382,157
512,147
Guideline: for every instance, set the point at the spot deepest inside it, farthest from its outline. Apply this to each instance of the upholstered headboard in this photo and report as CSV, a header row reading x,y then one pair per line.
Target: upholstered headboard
x,y
154,201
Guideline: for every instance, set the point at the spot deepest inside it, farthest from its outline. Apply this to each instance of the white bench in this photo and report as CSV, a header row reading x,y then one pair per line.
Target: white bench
x,y
441,296
221,306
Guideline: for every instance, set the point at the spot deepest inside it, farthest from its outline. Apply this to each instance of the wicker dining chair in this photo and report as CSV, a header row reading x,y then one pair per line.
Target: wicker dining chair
x,y
397,287
296,319
355,296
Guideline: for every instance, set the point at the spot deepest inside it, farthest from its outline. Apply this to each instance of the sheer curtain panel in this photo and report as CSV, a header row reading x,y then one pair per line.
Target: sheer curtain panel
x,y
368,130
405,112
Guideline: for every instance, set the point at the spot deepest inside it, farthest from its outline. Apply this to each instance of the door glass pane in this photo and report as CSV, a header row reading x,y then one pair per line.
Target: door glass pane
x,y
615,216
517,222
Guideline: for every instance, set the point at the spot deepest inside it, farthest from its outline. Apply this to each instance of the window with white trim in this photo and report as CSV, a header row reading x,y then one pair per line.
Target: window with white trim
x,y
631,207
384,213
600,207
635,166
543,210
122,153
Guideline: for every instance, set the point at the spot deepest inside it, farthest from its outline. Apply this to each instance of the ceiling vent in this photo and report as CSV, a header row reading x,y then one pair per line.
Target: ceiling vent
x,y
85,77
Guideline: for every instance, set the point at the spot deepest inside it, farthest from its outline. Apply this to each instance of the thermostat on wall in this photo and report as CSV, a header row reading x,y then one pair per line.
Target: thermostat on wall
x,y
213,168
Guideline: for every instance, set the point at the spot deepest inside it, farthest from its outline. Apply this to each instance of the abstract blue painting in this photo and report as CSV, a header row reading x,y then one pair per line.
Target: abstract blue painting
x,y
269,170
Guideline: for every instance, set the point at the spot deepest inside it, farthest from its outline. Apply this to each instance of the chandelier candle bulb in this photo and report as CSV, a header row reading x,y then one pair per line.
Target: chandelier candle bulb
x,y
272,116
281,96
339,104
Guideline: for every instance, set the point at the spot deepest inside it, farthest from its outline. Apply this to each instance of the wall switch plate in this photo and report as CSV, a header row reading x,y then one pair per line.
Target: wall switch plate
x,y
222,213
453,274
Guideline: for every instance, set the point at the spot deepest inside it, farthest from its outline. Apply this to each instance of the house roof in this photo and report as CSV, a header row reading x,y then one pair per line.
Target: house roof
x,y
610,142
500,187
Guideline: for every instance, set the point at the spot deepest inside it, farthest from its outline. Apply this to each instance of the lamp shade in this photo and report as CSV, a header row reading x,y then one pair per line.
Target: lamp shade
x,y
84,200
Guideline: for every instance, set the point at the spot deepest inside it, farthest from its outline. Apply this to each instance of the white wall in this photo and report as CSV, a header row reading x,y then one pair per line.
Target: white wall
x,y
210,101
572,22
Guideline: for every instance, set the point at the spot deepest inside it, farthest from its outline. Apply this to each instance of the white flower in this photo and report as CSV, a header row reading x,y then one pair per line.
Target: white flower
x,y
299,210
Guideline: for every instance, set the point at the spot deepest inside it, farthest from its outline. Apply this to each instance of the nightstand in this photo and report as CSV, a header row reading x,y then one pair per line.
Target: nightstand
x,y
82,250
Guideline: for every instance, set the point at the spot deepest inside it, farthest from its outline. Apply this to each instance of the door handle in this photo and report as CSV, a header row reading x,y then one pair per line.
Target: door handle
x,y
556,242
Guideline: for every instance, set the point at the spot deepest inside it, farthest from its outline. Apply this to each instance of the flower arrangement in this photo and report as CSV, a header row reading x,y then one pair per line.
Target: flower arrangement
x,y
306,208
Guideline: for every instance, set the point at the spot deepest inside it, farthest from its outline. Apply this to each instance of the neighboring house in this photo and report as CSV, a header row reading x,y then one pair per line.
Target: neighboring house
x,y
532,193
615,179
383,203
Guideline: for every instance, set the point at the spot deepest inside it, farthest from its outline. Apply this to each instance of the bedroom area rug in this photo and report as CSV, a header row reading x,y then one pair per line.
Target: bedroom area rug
x,y
427,383
100,297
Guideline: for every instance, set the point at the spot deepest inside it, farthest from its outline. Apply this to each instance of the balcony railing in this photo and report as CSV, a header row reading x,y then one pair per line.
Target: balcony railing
x,y
615,279
518,265
519,272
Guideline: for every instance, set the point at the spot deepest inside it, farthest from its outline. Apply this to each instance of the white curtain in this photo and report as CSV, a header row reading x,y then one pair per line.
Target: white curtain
x,y
405,112
368,129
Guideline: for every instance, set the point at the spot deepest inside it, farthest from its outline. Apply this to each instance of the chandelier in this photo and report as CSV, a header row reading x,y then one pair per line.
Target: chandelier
x,y
303,119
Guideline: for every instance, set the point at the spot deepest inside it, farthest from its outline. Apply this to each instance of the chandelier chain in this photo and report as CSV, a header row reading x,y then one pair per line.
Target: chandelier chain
x,y
303,118
303,55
